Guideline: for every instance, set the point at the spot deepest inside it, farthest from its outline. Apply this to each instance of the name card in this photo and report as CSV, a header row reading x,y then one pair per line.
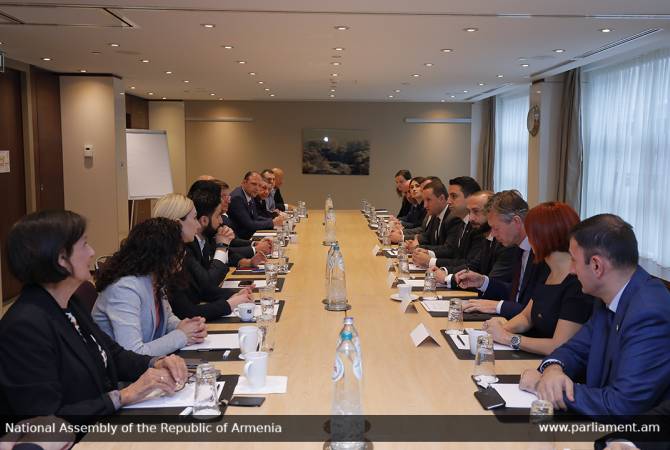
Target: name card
x,y
390,279
421,335
375,250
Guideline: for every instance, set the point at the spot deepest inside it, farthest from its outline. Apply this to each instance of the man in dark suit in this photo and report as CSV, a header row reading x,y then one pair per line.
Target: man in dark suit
x,y
492,258
506,213
467,241
617,366
276,193
243,211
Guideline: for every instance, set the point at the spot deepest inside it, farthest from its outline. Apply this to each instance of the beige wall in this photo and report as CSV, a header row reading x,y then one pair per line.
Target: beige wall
x,y
169,116
93,112
228,149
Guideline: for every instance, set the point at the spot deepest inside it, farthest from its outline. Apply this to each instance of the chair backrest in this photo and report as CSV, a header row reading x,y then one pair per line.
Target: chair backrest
x,y
87,294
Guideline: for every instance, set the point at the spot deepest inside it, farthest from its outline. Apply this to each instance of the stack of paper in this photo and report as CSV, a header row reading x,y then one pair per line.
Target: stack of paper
x,y
513,396
273,385
179,399
464,343
216,341
436,305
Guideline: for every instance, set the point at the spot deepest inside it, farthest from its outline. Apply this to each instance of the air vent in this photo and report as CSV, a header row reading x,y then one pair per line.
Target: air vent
x,y
488,92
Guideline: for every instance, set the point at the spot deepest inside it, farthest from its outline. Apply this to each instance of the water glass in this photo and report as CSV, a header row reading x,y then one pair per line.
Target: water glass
x,y
282,264
267,299
266,327
276,245
429,286
271,273
206,401
455,317
403,263
485,359
541,411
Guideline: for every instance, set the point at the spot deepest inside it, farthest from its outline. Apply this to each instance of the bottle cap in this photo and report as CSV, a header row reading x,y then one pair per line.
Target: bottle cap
x,y
348,320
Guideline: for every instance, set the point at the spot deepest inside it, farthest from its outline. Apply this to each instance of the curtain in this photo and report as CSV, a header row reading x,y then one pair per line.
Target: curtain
x,y
511,142
626,129
570,142
487,143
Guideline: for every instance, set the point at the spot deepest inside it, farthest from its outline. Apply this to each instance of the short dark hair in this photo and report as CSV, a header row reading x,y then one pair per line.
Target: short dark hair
x,y
264,171
468,185
417,180
610,236
406,174
207,185
438,188
206,201
250,173
507,204
36,241
433,178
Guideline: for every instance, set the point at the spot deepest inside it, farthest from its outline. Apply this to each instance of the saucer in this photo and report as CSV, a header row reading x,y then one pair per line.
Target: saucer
x,y
397,298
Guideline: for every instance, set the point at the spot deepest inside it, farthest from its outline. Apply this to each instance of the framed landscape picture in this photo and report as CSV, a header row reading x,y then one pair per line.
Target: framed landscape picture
x,y
335,152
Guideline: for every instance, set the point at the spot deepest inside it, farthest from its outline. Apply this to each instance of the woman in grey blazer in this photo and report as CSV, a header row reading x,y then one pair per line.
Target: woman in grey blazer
x,y
132,306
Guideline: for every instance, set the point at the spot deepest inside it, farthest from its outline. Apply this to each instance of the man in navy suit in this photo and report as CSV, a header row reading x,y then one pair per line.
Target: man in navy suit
x,y
243,212
506,214
618,364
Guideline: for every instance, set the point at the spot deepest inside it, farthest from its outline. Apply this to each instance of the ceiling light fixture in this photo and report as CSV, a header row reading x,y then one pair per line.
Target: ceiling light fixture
x,y
465,92
227,47
442,101
524,65
241,62
341,28
186,81
482,84
499,75
168,72
132,87
334,74
332,90
208,25
151,93
336,63
266,89
605,30
144,60
113,44
447,50
82,70
163,98
559,50
272,95
261,82
452,96
396,90
338,49
253,74
471,29
212,94
220,98
428,64
416,75
390,96
46,59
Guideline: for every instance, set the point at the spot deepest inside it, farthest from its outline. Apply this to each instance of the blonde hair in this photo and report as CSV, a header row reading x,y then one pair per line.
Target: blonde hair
x,y
173,206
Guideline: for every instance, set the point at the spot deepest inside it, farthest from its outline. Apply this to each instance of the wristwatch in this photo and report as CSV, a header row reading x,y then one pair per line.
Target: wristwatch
x,y
222,245
515,342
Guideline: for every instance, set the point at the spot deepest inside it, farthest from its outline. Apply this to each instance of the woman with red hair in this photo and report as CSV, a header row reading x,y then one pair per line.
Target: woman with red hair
x,y
559,308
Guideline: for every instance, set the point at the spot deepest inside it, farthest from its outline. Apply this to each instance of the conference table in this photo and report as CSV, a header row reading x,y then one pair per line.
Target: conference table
x,y
399,378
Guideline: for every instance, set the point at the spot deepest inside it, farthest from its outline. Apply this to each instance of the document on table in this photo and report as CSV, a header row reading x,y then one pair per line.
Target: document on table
x,y
414,283
436,305
257,312
265,234
414,268
465,343
273,385
513,396
236,283
216,341
179,399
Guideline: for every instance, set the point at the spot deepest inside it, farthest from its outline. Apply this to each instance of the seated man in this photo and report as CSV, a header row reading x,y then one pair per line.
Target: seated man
x,y
618,364
243,213
494,260
506,214
276,193
467,241
400,233
262,201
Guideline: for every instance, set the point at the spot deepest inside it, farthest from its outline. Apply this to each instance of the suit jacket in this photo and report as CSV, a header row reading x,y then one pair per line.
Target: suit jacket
x,y
246,219
465,253
202,266
447,236
192,300
263,210
126,311
404,207
621,367
535,273
239,248
279,201
410,233
496,260
45,367
414,217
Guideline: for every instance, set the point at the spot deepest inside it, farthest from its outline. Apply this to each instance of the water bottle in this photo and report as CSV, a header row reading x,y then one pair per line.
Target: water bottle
x,y
327,207
337,294
347,424
355,338
329,267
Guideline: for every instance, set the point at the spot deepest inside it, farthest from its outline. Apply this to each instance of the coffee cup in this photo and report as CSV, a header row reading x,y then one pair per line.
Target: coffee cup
x,y
245,311
248,337
404,291
256,369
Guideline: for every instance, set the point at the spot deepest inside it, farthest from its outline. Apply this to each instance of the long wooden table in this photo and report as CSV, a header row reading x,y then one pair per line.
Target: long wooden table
x,y
399,378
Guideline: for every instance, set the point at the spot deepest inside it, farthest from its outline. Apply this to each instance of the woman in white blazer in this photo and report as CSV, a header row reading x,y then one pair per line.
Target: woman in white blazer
x,y
132,306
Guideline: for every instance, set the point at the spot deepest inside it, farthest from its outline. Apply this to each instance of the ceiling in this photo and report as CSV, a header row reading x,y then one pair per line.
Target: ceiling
x,y
289,45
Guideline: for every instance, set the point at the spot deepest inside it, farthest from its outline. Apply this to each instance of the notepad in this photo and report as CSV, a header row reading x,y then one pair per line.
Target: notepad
x,y
513,396
216,341
179,399
257,313
414,268
273,385
436,305
236,283
465,343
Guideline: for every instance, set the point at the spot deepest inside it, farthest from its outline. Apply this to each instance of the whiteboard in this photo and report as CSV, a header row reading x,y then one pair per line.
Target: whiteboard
x,y
149,173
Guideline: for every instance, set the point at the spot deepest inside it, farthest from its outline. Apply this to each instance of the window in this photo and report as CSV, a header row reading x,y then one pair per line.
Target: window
x,y
626,129
510,170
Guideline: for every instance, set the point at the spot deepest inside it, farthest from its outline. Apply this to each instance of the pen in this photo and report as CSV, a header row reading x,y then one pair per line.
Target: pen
x,y
226,354
187,411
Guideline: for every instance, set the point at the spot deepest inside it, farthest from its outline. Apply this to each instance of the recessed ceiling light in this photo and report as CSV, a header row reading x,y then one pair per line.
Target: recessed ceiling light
x,y
416,75
482,84
465,92
113,44
522,59
186,81
559,50
46,59
390,96
220,98
122,93
471,29
144,60
538,92
163,98
253,74
341,28
212,94
168,72
452,96
396,90
266,89
499,75
208,25
227,47
241,62
332,90
332,96
338,49
333,74
428,64
447,50
336,63
1,43
442,101
605,30
82,70
132,87
151,93
272,95
261,82
524,65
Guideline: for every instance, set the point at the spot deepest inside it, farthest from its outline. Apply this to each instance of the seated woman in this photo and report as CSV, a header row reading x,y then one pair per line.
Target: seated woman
x,y
559,308
417,212
186,300
54,360
132,306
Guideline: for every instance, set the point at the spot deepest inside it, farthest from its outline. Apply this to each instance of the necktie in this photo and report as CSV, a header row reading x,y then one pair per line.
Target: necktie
x,y
465,229
516,281
251,208
437,229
